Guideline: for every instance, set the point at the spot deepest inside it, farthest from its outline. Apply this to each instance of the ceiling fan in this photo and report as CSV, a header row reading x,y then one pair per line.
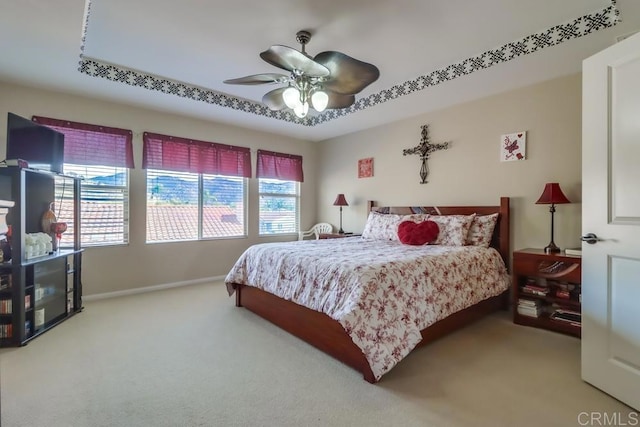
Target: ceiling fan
x,y
328,80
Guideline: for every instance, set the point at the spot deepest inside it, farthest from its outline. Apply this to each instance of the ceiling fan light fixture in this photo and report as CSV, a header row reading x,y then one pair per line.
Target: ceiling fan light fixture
x,y
301,110
291,97
319,100
329,79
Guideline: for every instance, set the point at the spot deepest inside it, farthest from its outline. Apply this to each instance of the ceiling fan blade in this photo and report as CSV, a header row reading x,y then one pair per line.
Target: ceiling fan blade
x,y
290,59
274,99
258,79
337,100
348,75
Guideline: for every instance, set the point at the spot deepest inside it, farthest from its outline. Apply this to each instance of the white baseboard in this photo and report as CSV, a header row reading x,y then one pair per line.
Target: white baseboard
x,y
153,288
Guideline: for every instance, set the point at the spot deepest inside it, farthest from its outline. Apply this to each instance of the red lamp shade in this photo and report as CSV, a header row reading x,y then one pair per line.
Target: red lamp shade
x,y
552,194
340,201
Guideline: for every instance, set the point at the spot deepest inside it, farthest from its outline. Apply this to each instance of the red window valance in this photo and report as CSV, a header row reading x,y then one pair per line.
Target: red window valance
x,y
86,144
188,155
287,167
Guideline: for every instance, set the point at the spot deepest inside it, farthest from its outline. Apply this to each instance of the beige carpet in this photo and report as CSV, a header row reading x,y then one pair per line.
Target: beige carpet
x,y
188,357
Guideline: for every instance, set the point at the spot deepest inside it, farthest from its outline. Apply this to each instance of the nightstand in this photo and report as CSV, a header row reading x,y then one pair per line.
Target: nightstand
x,y
336,235
546,290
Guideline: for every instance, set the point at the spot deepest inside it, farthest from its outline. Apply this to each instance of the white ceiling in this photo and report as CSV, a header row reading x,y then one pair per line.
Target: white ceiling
x,y
201,43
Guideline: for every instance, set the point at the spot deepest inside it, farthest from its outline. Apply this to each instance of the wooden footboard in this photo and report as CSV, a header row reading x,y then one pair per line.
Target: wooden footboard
x,y
326,334
311,326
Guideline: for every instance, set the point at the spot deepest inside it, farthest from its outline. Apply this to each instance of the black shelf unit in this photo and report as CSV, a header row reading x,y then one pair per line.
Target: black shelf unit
x,y
43,290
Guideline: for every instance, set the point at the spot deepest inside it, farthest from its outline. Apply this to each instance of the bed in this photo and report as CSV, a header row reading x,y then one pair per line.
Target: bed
x,y
368,302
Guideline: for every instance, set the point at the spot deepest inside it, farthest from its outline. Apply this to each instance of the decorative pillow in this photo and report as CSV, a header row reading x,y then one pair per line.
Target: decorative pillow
x,y
381,226
417,233
453,229
481,230
417,217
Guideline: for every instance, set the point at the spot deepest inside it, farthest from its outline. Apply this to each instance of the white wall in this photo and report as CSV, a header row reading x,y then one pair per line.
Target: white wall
x,y
469,172
117,268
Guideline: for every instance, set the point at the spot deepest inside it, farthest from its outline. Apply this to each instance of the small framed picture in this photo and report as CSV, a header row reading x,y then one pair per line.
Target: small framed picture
x,y
513,146
365,168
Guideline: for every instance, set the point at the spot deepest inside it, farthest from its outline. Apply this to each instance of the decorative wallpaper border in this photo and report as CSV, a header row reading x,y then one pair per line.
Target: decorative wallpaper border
x,y
579,27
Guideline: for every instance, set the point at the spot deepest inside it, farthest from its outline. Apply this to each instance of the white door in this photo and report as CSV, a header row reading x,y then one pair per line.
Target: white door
x,y
611,211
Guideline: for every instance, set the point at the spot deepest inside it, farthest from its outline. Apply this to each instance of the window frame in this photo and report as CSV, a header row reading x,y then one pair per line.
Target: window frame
x,y
200,180
295,196
126,193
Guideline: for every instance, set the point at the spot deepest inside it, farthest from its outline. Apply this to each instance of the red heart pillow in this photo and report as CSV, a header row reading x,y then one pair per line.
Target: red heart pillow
x,y
417,233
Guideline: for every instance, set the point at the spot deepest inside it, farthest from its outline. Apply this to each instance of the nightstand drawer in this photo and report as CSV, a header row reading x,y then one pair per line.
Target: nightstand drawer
x,y
568,269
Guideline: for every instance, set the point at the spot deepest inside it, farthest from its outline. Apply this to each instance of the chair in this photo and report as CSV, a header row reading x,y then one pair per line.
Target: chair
x,y
316,230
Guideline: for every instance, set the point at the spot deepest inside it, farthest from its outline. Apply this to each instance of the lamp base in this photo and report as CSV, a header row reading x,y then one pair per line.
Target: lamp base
x,y
551,248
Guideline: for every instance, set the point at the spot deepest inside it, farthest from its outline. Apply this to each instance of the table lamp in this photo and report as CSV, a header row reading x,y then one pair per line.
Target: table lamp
x,y
552,195
340,201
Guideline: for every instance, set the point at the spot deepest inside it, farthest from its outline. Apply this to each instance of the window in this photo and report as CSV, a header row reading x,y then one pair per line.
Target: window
x,y
187,206
104,204
279,206
279,177
102,156
195,189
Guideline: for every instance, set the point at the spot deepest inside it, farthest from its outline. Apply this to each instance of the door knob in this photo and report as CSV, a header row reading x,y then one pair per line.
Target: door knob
x,y
590,238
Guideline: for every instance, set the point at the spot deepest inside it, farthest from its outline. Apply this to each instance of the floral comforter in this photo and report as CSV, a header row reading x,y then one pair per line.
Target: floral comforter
x,y
382,292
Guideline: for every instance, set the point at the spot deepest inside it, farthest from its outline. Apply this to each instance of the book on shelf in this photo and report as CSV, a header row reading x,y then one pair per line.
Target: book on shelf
x,y
568,316
528,302
535,290
6,306
573,251
6,330
530,308
535,281
529,312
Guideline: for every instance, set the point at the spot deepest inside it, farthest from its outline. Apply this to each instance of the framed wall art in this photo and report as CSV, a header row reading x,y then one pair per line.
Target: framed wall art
x,y
365,168
513,146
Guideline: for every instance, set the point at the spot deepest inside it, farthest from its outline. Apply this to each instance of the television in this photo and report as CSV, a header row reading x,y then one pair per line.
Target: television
x,y
41,146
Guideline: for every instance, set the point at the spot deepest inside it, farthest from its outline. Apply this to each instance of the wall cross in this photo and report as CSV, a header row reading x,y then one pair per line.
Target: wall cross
x,y
424,149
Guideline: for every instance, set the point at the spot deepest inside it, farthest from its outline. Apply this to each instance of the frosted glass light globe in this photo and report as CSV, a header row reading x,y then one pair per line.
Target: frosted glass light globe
x,y
291,97
301,110
319,99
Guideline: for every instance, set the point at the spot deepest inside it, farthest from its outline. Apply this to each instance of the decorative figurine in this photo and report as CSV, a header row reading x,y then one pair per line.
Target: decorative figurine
x,y
48,218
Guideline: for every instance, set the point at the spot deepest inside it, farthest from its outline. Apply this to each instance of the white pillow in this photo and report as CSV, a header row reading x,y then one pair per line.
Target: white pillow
x,y
453,229
381,226
481,230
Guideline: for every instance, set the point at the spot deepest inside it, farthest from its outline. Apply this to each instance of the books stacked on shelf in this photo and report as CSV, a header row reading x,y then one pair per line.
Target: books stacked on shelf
x,y
571,317
532,287
564,290
6,306
527,307
6,330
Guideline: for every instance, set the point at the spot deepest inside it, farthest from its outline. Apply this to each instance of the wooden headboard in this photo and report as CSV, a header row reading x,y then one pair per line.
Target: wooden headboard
x,y
501,236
